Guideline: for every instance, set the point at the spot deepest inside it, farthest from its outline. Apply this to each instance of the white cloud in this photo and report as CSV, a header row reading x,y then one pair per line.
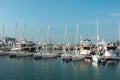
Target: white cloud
x,y
115,14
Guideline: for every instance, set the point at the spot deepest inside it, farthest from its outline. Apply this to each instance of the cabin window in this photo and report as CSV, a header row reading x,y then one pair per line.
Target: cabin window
x,y
111,48
87,48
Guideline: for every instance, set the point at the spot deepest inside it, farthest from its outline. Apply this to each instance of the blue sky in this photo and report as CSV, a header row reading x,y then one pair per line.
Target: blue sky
x,y
58,14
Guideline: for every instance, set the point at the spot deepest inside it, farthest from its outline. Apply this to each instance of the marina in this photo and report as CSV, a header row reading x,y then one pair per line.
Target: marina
x,y
59,40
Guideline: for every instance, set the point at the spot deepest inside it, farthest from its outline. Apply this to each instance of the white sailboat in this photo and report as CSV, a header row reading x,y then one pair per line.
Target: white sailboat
x,y
38,54
66,56
77,56
47,55
97,58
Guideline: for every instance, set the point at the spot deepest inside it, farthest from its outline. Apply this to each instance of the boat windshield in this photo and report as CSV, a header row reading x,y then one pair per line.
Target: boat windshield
x,y
86,48
111,48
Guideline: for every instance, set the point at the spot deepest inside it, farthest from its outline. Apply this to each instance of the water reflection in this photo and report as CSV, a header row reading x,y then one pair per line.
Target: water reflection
x,y
112,65
82,65
96,70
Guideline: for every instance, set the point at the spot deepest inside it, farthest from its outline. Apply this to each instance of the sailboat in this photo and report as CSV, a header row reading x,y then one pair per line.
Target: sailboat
x,y
46,54
38,54
77,56
97,58
66,56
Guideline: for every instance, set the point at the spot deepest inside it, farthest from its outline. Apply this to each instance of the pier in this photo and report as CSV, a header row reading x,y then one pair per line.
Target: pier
x,y
105,58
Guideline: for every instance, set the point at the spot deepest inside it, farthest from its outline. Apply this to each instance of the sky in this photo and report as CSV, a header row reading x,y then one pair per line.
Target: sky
x,y
58,14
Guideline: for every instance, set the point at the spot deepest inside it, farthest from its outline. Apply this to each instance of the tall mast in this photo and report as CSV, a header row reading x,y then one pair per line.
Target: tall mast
x,y
65,35
24,31
15,31
97,32
38,32
118,32
3,31
76,36
47,38
38,37
48,33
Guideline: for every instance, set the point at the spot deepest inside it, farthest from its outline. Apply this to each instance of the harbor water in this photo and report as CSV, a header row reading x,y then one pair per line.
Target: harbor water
x,y
55,69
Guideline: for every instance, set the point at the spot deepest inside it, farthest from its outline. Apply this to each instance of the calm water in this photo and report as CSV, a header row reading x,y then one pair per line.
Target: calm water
x,y
55,69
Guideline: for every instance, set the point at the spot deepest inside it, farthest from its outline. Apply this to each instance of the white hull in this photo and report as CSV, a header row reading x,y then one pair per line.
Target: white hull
x,y
77,57
23,54
96,58
4,53
85,52
111,53
37,54
48,55
65,56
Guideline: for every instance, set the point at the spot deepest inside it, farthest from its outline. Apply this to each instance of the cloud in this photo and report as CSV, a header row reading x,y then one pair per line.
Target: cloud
x,y
115,14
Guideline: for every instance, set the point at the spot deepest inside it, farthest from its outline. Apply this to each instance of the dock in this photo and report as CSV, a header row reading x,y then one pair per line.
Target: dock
x,y
105,58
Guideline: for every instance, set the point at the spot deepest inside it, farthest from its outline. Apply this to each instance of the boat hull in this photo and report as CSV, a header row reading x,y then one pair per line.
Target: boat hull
x,y
48,55
78,57
2,53
96,58
23,54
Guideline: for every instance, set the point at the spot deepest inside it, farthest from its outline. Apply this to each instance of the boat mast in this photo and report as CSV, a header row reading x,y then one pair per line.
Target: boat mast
x,y
38,36
65,39
3,37
97,32
76,37
97,36
24,31
117,33
15,31
65,35
47,37
48,33
3,31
